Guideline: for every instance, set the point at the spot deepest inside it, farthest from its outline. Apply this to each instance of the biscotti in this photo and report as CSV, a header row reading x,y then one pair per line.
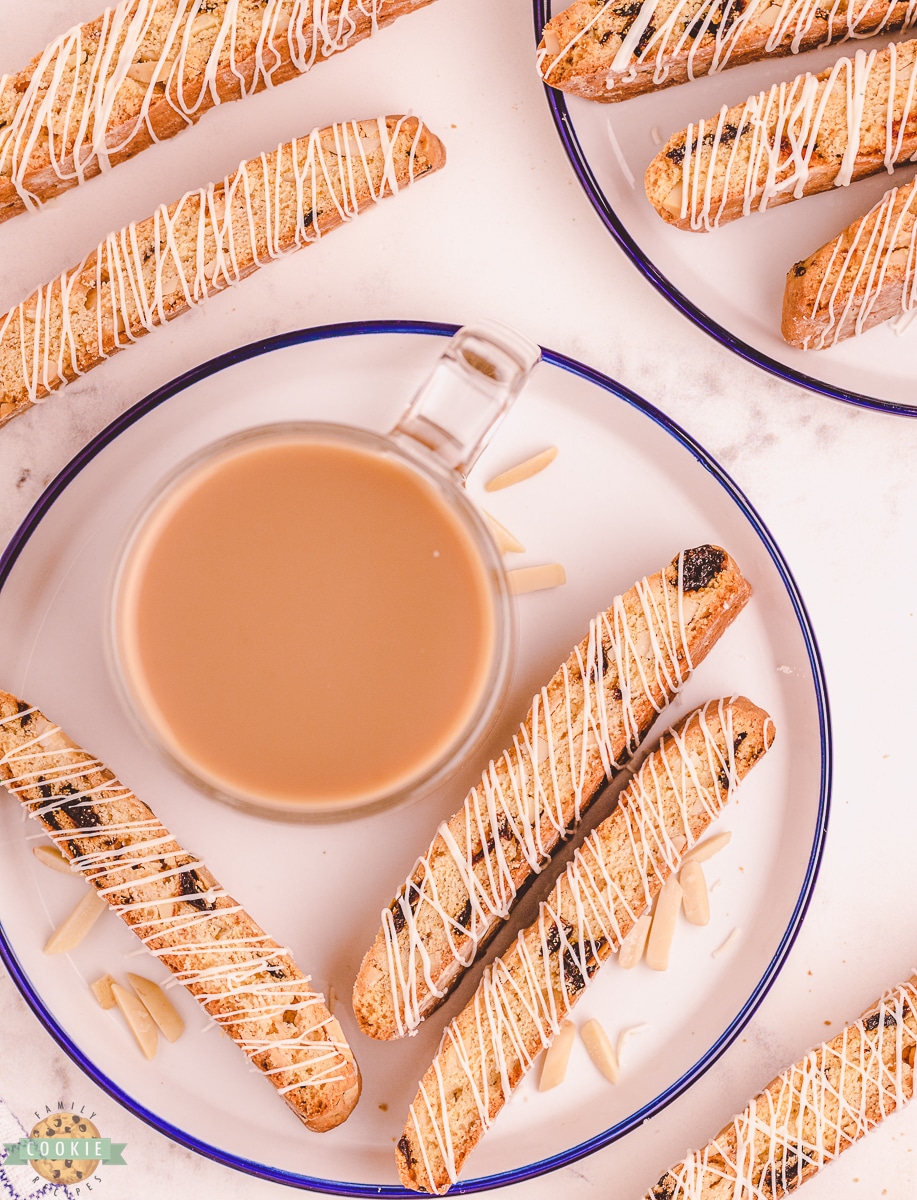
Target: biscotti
x,y
611,50
241,977
146,69
811,1113
862,277
525,996
806,135
156,269
580,729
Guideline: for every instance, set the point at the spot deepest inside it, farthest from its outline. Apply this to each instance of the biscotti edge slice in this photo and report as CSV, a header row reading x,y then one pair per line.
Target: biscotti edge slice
x,y
580,729
811,1113
247,983
525,996
864,276
154,270
679,42
147,69
804,136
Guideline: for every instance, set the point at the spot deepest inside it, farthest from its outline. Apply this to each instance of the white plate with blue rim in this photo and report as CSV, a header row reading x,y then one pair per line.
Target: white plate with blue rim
x,y
628,490
730,281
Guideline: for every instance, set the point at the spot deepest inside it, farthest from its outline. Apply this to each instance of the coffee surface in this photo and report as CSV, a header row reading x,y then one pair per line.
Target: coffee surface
x,y
305,622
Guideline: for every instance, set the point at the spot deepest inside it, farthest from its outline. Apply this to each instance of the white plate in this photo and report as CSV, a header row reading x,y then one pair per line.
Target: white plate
x,y
627,491
730,281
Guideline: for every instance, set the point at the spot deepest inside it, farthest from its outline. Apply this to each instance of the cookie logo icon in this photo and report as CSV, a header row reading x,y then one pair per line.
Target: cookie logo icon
x,y
64,1147
54,1129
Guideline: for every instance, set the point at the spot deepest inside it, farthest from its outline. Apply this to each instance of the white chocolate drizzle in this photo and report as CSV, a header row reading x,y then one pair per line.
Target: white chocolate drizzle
x,y
246,983
873,264
665,38
512,820
525,996
811,1113
92,92
779,130
209,240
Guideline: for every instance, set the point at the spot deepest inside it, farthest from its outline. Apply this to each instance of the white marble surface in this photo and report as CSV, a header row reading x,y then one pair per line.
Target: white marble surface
x,y
505,231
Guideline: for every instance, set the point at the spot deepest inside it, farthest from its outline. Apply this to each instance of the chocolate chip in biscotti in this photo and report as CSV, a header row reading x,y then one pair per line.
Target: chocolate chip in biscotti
x,y
701,566
464,917
191,885
665,1188
404,1149
872,1021
398,916
780,1176
573,976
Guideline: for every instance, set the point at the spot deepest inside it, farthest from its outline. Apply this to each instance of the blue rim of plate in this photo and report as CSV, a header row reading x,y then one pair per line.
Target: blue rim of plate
x,y
563,122
330,1187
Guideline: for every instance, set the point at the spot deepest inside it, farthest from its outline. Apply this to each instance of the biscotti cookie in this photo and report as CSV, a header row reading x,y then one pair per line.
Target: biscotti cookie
x,y
146,69
811,1113
241,977
806,135
524,997
862,277
611,50
580,729
156,269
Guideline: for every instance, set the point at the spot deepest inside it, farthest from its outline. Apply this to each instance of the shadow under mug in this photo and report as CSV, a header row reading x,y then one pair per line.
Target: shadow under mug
x,y
312,621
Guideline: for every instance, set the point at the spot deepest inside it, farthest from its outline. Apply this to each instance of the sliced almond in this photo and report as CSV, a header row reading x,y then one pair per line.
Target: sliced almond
x,y
706,849
102,990
551,42
204,22
694,893
75,927
507,543
158,1005
51,857
769,17
524,470
673,201
668,902
150,72
634,944
601,1051
138,1018
554,1068
535,579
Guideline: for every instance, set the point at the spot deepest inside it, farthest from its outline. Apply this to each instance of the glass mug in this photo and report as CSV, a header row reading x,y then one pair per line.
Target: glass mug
x,y
312,621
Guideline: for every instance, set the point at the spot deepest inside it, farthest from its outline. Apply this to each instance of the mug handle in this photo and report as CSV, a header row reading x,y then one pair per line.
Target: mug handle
x,y
472,387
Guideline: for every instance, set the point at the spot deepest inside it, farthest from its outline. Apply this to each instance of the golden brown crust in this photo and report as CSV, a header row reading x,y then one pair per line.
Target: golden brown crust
x,y
860,278
254,58
811,1112
431,930
247,982
186,252
525,995
589,34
